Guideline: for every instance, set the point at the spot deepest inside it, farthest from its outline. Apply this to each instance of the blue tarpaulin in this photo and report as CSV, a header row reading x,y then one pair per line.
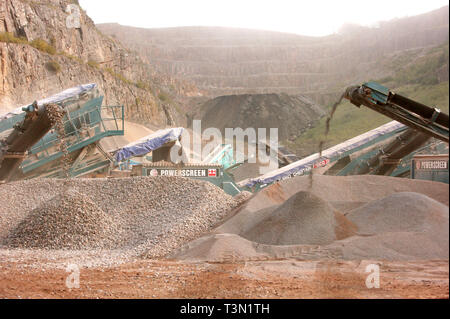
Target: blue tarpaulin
x,y
148,143
304,165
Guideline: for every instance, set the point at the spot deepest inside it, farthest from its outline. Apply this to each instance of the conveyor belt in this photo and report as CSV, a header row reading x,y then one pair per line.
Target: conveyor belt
x,y
36,124
428,120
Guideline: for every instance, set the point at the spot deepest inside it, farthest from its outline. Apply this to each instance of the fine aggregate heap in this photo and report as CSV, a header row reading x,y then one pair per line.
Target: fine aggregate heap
x,y
303,219
349,218
148,216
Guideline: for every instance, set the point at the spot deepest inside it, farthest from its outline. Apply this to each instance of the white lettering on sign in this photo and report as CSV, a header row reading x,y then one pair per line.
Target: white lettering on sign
x,y
434,164
184,172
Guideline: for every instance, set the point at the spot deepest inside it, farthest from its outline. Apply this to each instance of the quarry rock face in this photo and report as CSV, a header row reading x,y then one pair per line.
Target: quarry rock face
x,y
30,70
225,61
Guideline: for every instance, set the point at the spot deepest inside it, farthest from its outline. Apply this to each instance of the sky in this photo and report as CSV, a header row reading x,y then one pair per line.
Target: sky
x,y
304,17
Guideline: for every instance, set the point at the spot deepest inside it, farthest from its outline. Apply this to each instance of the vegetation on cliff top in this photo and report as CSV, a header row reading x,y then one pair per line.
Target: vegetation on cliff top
x,y
38,44
53,66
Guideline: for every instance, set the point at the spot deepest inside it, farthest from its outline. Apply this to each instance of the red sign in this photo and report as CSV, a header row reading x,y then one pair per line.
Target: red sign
x,y
153,172
321,163
212,172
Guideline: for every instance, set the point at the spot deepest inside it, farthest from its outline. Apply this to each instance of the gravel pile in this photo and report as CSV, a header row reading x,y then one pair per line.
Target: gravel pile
x,y
108,221
148,216
56,116
68,221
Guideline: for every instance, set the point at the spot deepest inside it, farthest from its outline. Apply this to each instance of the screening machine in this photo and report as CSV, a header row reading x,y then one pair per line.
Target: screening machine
x,y
28,135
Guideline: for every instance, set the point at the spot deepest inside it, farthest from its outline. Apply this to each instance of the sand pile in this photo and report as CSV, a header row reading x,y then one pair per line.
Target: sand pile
x,y
389,246
343,193
302,219
231,248
400,226
353,218
219,247
348,192
401,212
68,221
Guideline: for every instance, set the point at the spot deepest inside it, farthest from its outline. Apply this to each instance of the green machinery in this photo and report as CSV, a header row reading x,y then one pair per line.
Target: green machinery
x,y
422,118
35,123
427,133
387,150
30,147
160,144
222,154
86,122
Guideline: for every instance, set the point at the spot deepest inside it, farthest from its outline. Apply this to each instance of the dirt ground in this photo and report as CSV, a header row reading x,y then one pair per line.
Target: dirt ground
x,y
258,279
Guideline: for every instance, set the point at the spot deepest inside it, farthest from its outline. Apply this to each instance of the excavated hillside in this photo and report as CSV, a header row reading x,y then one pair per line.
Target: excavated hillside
x,y
225,61
290,114
40,54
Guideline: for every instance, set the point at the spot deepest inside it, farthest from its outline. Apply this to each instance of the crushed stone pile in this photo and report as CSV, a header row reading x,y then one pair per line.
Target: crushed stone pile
x,y
303,219
68,221
289,114
148,216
